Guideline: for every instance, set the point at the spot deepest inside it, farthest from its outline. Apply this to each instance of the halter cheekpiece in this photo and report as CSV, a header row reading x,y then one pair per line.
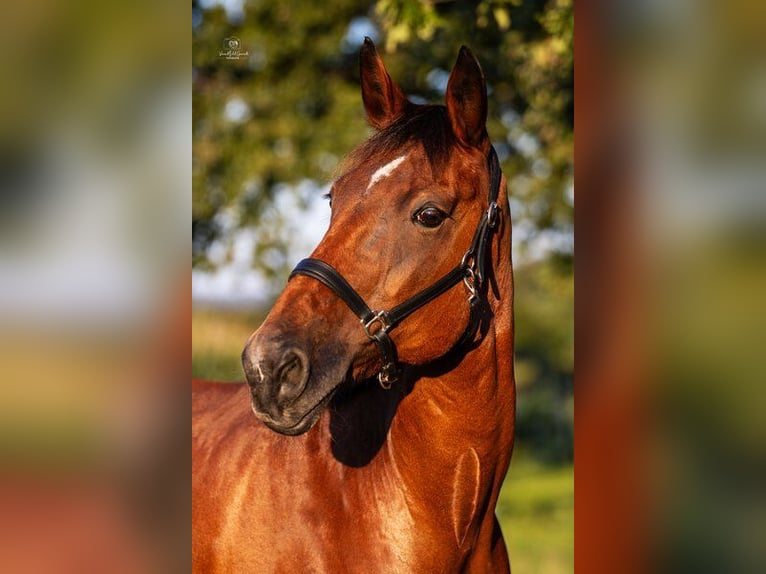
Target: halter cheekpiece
x,y
378,324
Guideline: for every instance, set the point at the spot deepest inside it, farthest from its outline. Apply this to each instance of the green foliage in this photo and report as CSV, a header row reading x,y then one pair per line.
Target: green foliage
x,y
544,328
299,110
405,19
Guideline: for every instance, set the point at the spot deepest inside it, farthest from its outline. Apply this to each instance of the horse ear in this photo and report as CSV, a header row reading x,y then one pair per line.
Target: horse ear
x,y
467,100
384,102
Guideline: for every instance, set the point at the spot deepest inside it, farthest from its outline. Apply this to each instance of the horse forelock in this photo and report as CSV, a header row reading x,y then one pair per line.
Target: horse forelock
x,y
426,125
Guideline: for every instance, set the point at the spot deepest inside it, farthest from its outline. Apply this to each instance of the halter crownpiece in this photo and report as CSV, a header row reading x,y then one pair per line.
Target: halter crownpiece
x,y
377,324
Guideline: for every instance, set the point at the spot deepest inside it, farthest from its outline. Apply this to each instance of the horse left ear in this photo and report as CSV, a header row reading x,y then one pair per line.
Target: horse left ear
x,y
383,100
467,100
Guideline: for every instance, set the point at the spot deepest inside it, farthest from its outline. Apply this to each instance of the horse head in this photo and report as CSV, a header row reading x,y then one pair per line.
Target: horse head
x,y
406,214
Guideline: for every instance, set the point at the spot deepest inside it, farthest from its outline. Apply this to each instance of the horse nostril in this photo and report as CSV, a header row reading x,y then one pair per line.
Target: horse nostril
x,y
252,368
291,375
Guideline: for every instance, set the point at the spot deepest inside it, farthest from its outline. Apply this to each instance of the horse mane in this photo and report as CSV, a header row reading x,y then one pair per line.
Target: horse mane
x,y
426,124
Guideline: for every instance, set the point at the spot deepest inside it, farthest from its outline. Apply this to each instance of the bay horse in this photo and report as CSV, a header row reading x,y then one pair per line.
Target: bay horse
x,y
381,382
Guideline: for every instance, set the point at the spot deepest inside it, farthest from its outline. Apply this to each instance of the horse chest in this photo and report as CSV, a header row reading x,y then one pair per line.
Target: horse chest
x,y
357,521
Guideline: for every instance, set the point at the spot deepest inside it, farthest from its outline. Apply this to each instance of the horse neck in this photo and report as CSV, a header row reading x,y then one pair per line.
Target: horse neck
x,y
472,406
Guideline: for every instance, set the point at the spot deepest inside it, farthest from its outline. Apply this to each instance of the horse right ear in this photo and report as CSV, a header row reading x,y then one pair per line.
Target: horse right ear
x,y
467,100
383,101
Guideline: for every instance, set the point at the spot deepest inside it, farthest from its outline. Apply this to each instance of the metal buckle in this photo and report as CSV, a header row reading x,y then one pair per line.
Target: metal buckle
x,y
492,213
380,317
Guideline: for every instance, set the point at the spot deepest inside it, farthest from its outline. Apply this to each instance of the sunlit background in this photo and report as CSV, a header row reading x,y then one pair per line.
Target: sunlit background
x,y
273,117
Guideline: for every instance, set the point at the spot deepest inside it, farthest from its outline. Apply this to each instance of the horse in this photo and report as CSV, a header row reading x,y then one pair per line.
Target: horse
x,y
380,386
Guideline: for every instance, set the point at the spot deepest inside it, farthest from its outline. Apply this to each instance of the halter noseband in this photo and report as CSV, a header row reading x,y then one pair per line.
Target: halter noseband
x,y
377,324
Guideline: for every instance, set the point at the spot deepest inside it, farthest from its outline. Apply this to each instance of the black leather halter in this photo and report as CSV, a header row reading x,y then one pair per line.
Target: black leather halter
x,y
471,270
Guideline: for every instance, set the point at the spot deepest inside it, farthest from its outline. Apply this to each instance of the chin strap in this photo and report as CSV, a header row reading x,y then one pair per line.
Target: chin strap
x,y
471,270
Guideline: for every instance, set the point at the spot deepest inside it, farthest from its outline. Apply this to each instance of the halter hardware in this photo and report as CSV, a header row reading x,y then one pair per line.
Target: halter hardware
x,y
381,318
470,270
492,214
470,283
388,375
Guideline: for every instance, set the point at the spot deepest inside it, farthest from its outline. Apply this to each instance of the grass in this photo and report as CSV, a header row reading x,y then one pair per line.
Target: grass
x,y
536,506
218,338
536,514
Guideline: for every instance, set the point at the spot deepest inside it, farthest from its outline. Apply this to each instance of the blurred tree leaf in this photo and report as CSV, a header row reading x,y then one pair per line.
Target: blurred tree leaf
x,y
544,357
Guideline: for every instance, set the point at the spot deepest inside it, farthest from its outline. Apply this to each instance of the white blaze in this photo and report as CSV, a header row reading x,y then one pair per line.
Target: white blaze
x,y
385,171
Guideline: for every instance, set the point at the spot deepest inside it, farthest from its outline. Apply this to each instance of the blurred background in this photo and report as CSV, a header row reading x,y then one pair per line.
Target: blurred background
x,y
95,180
277,104
95,177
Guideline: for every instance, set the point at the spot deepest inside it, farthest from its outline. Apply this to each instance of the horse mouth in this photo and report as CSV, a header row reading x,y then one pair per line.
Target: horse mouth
x,y
304,423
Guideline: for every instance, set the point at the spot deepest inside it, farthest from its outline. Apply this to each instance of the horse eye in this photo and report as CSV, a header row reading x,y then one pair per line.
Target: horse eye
x,y
429,217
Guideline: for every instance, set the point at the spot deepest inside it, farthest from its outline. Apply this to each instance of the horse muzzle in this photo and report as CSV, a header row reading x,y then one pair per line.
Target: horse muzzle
x,y
288,392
